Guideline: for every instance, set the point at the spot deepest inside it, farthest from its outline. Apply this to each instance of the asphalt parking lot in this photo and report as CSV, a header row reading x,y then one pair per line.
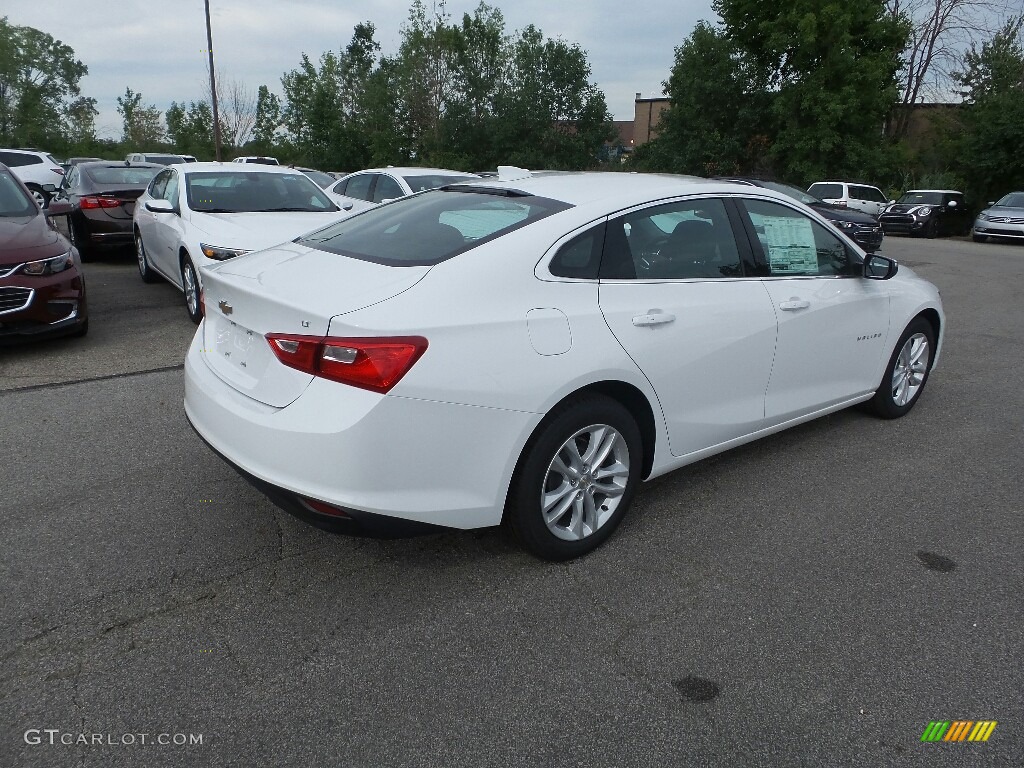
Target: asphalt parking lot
x,y
815,598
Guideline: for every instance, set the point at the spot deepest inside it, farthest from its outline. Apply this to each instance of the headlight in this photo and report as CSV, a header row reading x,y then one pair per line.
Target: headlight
x,y
220,254
845,224
984,217
924,212
47,266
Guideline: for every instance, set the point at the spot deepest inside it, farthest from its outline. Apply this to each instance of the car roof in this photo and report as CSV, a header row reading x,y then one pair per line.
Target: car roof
x,y
233,167
624,189
414,171
943,191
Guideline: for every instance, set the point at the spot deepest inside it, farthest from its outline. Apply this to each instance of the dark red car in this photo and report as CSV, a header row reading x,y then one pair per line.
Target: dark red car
x,y
42,291
102,195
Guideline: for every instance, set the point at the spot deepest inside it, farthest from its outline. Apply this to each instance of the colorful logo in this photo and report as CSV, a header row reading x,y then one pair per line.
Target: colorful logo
x,y
959,730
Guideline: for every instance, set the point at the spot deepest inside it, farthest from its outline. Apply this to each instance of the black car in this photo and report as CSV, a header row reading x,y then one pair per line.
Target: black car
x,y
103,198
928,212
860,227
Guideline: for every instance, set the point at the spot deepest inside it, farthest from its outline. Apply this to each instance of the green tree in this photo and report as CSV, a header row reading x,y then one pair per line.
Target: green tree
x,y
142,128
39,78
267,122
714,124
992,82
190,130
830,67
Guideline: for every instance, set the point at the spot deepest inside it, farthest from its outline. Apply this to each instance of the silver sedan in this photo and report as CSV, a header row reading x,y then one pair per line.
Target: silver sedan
x,y
1004,218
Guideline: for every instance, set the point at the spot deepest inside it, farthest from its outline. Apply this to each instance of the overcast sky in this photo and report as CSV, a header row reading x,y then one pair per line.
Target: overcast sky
x,y
158,48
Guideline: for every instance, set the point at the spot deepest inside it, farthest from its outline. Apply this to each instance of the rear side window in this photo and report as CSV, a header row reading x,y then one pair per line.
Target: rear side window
x,y
827,191
430,228
18,159
871,194
580,258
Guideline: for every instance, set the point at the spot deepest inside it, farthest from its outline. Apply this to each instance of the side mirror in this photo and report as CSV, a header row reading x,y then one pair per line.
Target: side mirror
x,y
346,207
59,207
388,200
991,202
892,202
877,267
160,206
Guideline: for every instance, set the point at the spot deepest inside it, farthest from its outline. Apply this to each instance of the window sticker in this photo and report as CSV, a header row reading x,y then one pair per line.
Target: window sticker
x,y
791,247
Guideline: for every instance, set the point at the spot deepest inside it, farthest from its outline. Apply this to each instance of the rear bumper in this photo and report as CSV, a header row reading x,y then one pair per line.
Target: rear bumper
x,y
373,456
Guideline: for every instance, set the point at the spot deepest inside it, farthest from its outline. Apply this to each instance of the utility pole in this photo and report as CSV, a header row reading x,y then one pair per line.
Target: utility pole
x,y
213,85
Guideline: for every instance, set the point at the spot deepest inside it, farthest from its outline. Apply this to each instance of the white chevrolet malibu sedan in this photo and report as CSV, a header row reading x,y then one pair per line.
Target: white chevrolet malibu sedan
x,y
196,214
528,349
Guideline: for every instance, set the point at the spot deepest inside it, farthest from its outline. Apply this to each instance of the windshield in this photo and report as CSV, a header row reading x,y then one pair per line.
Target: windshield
x,y
1012,200
323,179
165,159
921,198
247,192
429,228
795,192
132,175
13,200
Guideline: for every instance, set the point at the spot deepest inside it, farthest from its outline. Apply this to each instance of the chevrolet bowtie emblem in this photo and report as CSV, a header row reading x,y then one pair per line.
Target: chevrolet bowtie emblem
x,y
226,308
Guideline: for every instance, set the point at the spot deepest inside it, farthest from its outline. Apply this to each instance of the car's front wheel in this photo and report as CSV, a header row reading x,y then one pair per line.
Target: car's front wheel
x,y
190,286
145,271
576,479
907,371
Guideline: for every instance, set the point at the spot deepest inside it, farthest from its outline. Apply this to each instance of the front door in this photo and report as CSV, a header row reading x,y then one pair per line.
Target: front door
x,y
674,292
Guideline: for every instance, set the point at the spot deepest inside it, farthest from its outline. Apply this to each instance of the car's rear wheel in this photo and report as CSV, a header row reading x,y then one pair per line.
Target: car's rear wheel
x,y
576,479
145,271
39,195
190,286
907,371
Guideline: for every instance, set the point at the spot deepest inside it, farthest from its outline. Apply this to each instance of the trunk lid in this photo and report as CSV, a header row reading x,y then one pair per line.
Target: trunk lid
x,y
288,289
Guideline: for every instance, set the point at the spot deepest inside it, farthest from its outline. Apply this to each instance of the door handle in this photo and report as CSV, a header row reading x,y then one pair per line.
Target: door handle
x,y
794,304
653,317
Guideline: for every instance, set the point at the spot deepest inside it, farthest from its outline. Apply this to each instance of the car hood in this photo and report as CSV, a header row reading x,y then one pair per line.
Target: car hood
x,y
845,214
909,207
26,238
256,231
1004,211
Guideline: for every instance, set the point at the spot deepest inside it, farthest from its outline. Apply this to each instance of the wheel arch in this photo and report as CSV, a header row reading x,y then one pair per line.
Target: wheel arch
x,y
931,316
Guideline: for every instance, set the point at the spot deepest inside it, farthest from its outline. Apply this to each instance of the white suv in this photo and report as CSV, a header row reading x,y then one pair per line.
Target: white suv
x,y
36,169
845,194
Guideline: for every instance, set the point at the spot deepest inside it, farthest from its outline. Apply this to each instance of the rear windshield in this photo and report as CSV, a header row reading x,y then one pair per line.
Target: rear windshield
x,y
921,198
826,191
248,192
164,159
122,174
429,228
433,181
795,192
13,200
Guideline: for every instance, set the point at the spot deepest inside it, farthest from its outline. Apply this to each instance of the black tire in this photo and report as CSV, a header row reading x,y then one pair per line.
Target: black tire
x,y
41,196
145,270
79,239
190,287
887,400
536,474
931,229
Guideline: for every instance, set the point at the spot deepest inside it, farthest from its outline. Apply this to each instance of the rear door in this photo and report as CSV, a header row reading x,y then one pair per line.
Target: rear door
x,y
676,293
832,323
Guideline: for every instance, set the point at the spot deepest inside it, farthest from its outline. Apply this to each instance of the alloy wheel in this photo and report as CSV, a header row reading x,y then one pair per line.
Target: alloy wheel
x,y
910,370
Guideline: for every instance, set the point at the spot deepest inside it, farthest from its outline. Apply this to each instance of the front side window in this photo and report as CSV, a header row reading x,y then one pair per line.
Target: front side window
x,y
432,227
159,184
690,239
795,245
171,190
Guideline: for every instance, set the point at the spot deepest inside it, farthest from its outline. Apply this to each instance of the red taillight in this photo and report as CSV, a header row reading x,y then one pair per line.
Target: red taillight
x,y
58,170
377,364
98,202
324,508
